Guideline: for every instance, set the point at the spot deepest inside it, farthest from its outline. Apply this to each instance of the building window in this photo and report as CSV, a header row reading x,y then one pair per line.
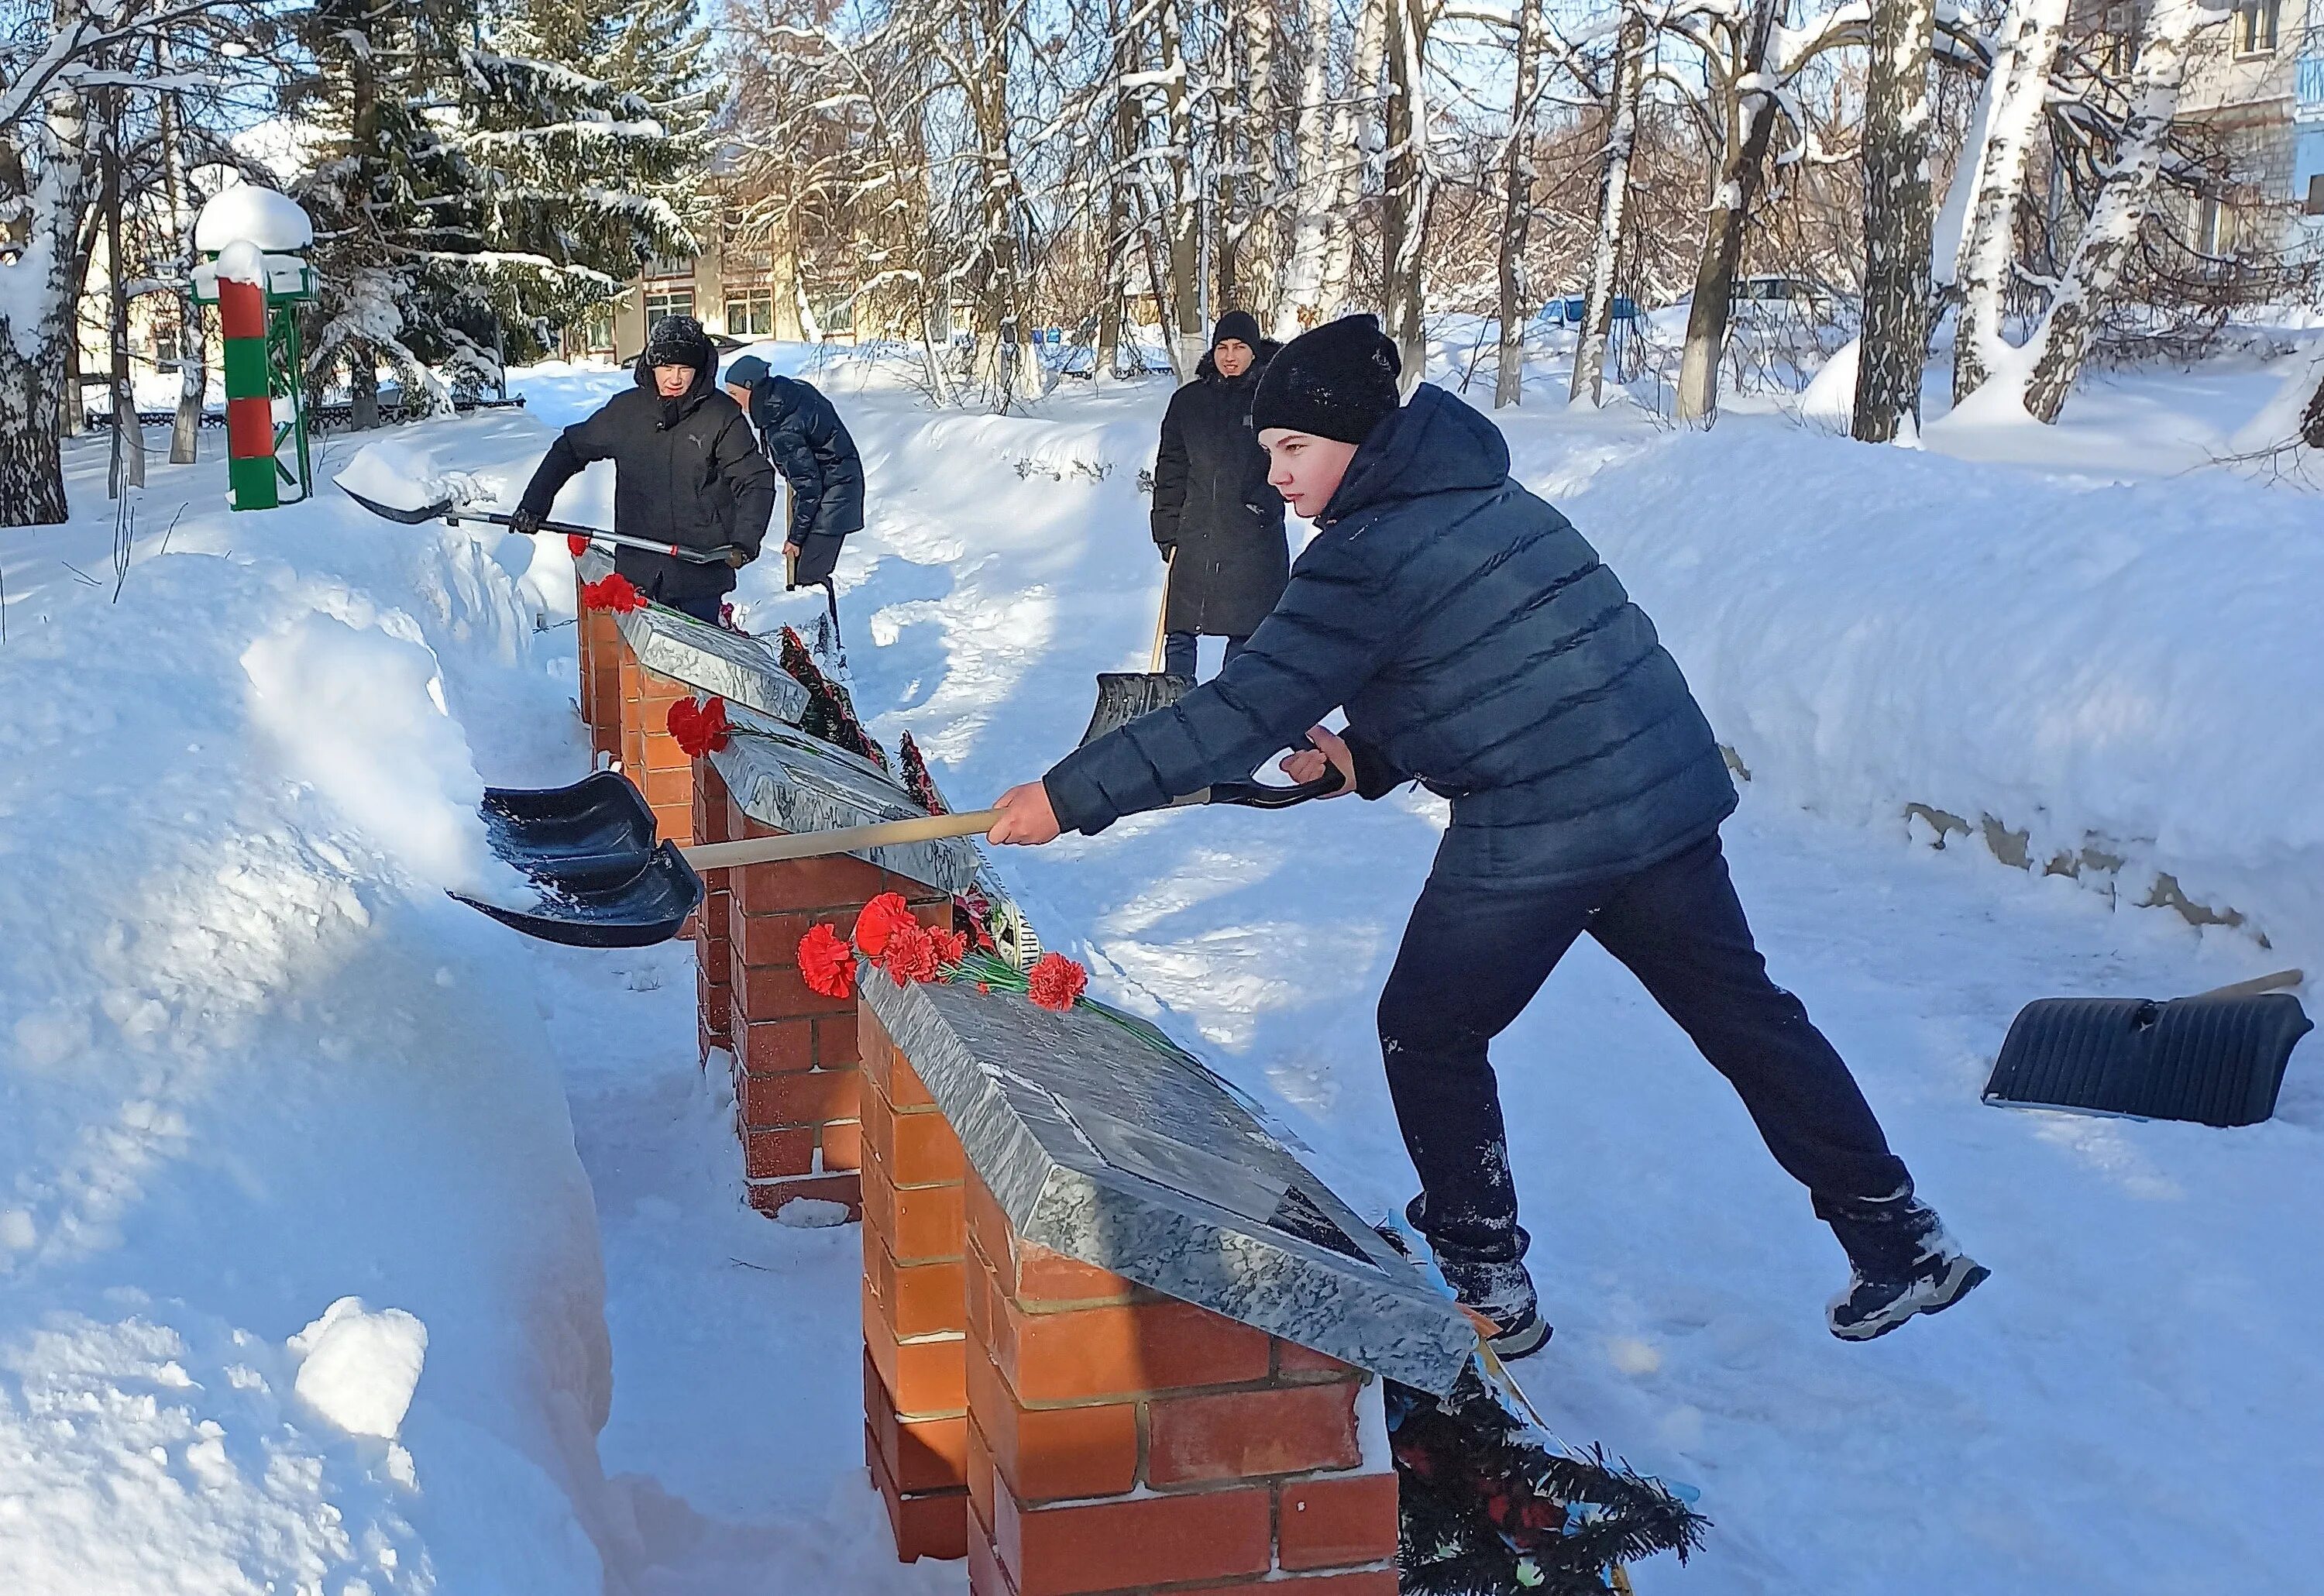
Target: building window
x,y
750,312
667,299
2215,227
2315,205
2255,22
165,347
597,330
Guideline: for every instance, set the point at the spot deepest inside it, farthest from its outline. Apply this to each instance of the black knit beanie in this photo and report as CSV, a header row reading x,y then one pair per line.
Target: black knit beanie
x,y
1238,325
1338,380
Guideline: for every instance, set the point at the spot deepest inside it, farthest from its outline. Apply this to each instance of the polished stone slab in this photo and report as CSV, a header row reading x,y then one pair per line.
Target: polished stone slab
x,y
1102,1148
782,777
743,670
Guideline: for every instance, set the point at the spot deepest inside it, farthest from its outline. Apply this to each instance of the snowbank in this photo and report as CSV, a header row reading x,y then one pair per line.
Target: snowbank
x,y
2108,679
300,1282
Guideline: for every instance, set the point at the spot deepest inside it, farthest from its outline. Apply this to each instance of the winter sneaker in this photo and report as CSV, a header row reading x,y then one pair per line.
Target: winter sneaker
x,y
1503,1292
1903,1264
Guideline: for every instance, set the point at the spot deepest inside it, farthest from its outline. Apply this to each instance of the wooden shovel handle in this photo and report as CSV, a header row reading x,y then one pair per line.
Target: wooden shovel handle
x,y
2258,984
816,845
1162,617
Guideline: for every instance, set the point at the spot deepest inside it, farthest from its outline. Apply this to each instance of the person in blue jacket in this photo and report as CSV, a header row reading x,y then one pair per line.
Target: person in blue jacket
x,y
803,434
1480,647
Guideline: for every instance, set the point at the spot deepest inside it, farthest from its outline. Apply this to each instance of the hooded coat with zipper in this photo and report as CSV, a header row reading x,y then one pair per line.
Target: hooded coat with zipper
x,y
1213,507
1479,646
686,471
809,445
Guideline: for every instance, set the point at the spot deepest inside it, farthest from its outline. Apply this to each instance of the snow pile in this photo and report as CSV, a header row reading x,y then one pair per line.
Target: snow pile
x,y
248,214
256,1071
360,714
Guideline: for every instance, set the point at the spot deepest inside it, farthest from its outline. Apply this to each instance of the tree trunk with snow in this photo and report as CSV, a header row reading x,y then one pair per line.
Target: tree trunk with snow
x,y
1356,141
2046,369
38,299
1613,199
1120,189
1186,332
2017,93
1404,201
1750,125
127,468
1517,212
185,432
1313,189
1895,343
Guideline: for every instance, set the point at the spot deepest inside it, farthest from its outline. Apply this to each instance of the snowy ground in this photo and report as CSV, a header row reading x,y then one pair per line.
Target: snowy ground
x,y
2128,1406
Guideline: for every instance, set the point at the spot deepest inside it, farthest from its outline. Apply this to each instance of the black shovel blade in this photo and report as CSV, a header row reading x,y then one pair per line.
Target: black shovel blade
x,y
1122,696
2213,1061
590,849
411,518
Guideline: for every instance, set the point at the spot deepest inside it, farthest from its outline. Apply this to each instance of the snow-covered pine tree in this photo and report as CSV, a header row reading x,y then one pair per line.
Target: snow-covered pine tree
x,y
583,123
395,202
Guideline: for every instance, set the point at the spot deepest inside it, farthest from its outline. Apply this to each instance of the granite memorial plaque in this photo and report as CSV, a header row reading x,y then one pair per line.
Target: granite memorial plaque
x,y
1100,1148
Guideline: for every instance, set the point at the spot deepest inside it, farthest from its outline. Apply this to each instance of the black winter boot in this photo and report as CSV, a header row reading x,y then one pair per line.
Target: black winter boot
x,y
1904,1264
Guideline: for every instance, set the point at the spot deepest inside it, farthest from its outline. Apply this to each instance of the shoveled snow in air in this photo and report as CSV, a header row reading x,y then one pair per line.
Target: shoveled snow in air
x,y
348,1240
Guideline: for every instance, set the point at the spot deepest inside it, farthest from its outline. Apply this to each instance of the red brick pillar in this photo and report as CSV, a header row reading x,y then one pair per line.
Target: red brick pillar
x,y
797,1080
651,757
1121,1439
713,941
598,688
915,1306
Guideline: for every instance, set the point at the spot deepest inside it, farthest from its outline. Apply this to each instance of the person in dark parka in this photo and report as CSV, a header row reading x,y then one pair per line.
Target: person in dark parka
x,y
803,434
1480,647
1216,519
686,471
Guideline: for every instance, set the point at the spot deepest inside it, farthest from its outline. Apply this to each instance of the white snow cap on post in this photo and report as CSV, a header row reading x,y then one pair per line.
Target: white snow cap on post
x,y
242,262
246,213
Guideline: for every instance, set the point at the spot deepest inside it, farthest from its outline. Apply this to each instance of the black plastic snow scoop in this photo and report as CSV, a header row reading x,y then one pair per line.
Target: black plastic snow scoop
x,y
1123,695
604,883
589,849
2216,1058
450,512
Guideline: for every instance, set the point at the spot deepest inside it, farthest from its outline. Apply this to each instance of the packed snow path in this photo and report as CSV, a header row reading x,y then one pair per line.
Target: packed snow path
x,y
2129,1407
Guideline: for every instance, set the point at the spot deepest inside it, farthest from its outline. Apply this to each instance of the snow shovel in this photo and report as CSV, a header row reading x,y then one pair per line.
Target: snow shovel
x,y
2216,1058
606,883
1122,696
449,511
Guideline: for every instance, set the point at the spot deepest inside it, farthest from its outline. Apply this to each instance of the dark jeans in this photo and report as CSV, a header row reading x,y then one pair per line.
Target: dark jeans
x,y
1472,959
1179,652
701,609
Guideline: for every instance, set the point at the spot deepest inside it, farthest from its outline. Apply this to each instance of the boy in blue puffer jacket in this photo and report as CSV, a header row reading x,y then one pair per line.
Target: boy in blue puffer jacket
x,y
1480,648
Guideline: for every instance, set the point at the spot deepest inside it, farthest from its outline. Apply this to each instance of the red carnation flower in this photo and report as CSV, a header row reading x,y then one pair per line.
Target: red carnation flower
x,y
699,728
1055,981
614,593
827,963
579,544
882,919
951,946
912,955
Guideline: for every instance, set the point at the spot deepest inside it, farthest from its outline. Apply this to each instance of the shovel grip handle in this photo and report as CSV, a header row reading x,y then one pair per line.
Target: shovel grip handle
x,y
816,844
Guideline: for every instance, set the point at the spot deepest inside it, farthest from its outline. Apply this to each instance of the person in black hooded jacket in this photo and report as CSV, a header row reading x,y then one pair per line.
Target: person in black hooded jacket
x,y
1480,647
1216,519
686,470
809,444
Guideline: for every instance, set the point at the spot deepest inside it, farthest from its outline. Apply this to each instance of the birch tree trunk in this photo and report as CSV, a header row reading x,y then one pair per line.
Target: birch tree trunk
x,y
1118,211
1750,125
1186,301
2017,91
1613,199
1517,212
2046,369
1403,211
38,313
193,348
127,469
1316,146
1894,347
1356,140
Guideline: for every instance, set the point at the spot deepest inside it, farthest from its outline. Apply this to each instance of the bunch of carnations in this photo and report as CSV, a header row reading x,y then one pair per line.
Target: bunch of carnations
x,y
615,593
699,728
887,934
